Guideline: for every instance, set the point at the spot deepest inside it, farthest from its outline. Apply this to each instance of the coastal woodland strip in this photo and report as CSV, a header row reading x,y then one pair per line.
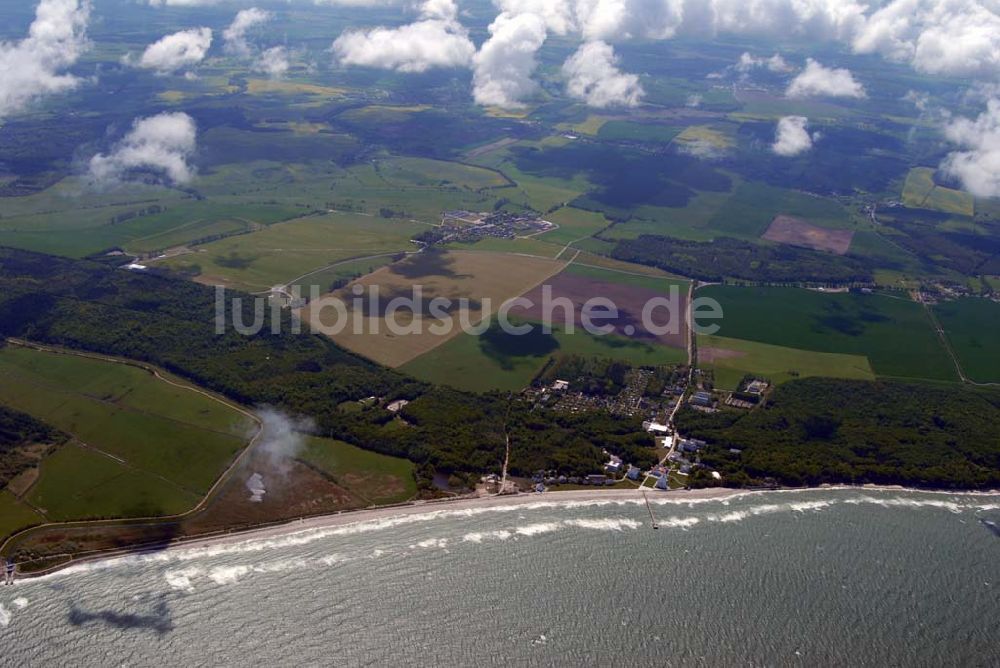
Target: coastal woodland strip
x,y
818,431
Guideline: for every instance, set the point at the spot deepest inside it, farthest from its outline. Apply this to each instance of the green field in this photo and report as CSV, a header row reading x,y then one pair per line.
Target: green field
x,y
893,332
496,361
421,172
77,483
574,224
281,253
637,132
142,447
920,192
746,212
373,478
15,515
753,206
733,359
60,221
973,329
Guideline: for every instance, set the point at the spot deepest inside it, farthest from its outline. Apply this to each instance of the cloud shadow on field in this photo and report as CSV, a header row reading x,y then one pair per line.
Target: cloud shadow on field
x,y
432,262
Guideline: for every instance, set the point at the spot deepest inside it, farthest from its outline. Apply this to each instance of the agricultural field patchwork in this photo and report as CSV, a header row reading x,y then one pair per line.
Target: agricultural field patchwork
x,y
484,279
629,295
282,252
891,330
500,361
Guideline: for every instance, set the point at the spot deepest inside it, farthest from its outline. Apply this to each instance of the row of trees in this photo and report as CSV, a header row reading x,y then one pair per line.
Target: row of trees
x,y
715,261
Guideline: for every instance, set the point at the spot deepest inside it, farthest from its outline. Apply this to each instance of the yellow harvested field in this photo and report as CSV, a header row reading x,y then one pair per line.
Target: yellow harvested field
x,y
704,134
281,87
486,280
920,192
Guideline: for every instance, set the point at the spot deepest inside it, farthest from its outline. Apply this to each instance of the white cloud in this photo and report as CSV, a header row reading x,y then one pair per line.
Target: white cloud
x,y
775,63
163,144
179,50
181,3
436,40
504,65
818,81
978,167
958,37
35,66
235,35
273,62
792,137
593,76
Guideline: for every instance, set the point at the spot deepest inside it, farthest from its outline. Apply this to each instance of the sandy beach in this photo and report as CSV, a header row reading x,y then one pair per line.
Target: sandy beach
x,y
447,507
466,505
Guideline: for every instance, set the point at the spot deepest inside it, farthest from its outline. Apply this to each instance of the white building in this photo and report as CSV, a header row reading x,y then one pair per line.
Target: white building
x,y
397,405
656,428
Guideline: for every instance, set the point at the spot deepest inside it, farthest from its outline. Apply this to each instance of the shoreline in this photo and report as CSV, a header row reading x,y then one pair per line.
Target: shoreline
x,y
444,507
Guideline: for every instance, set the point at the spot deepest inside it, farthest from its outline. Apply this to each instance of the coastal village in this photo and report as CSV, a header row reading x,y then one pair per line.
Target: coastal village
x,y
679,457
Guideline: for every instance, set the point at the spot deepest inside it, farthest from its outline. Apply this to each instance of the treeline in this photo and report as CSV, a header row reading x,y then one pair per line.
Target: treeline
x,y
715,261
818,431
171,323
17,431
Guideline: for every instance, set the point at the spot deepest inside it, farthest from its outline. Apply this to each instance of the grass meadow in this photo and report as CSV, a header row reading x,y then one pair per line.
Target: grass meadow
x,y
140,446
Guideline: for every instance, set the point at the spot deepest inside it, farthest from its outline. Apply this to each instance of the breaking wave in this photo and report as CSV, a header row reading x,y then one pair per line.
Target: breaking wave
x,y
180,578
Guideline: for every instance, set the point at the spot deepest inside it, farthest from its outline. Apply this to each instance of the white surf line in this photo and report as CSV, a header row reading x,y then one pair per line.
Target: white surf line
x,y
306,531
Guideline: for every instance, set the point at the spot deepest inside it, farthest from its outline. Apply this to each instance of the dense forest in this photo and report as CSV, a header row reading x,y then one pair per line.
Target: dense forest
x,y
818,431
715,261
171,323
17,431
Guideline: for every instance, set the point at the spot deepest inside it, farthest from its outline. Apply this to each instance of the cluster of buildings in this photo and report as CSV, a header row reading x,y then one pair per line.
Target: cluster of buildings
x,y
470,227
630,402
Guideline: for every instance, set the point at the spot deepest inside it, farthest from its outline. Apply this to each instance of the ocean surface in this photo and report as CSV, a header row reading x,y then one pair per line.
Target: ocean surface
x,y
828,577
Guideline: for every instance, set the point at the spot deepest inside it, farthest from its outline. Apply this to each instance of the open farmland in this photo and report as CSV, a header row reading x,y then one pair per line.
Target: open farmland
x,y
921,192
629,294
732,359
797,232
282,252
892,331
972,326
484,279
140,446
499,361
